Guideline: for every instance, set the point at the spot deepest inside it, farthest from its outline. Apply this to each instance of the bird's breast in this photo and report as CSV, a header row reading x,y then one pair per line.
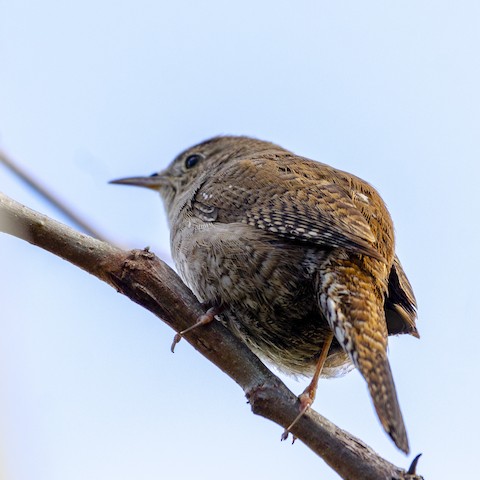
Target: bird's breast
x,y
266,285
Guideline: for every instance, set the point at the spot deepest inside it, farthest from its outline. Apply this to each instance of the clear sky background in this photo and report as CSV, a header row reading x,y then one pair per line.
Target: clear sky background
x,y
95,90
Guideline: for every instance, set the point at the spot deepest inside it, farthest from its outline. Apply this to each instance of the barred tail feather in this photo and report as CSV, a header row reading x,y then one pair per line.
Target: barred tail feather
x,y
356,315
382,390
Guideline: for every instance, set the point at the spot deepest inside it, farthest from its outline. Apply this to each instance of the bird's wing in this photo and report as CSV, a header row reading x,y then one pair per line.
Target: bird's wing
x,y
272,197
400,304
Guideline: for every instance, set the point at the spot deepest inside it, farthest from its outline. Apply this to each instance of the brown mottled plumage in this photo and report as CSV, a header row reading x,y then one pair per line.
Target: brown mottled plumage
x,y
292,250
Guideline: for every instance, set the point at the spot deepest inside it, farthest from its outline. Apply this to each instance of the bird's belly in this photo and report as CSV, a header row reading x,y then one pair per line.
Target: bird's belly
x,y
267,287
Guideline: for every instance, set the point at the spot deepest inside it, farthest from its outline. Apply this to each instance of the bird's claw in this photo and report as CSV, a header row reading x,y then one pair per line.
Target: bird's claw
x,y
176,339
204,319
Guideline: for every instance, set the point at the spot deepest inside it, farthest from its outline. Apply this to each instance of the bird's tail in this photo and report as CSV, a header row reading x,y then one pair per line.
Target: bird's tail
x,y
382,390
353,306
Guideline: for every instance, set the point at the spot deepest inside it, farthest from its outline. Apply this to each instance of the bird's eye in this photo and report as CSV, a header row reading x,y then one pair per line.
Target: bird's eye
x,y
192,160
154,174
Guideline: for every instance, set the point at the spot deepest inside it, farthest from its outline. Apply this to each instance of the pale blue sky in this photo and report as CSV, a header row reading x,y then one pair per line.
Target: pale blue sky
x,y
91,91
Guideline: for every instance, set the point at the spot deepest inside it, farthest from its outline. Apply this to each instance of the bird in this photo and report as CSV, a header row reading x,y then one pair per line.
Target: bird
x,y
297,258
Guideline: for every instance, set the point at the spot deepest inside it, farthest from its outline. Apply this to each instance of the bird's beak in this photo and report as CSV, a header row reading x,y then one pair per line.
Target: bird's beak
x,y
154,182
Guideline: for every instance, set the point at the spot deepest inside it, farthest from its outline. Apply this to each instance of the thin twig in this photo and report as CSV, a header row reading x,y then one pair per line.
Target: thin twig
x,y
52,199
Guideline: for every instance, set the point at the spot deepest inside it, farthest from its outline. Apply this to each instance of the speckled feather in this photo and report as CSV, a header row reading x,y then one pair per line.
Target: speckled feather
x,y
292,249
289,201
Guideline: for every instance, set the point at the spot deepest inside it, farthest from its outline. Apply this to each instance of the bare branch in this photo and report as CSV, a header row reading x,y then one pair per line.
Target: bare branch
x,y
146,280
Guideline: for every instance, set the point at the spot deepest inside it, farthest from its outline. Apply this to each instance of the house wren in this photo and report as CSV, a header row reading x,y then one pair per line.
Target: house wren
x,y
295,257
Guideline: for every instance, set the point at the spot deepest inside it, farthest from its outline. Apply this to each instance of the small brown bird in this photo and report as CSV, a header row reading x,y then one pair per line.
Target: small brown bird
x,y
295,257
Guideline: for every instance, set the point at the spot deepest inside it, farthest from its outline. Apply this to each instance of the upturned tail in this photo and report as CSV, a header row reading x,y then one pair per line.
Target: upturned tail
x,y
352,301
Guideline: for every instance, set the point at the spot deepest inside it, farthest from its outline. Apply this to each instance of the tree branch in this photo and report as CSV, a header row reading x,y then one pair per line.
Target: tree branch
x,y
146,280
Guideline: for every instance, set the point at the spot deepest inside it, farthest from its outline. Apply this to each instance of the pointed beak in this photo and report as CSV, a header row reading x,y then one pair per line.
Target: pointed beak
x,y
154,182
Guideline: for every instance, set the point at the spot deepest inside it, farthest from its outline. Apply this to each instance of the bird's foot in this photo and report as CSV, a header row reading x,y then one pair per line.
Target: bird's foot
x,y
308,396
306,399
202,320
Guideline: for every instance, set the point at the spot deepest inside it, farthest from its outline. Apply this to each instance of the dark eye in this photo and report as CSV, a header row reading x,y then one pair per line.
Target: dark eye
x,y
154,174
192,160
